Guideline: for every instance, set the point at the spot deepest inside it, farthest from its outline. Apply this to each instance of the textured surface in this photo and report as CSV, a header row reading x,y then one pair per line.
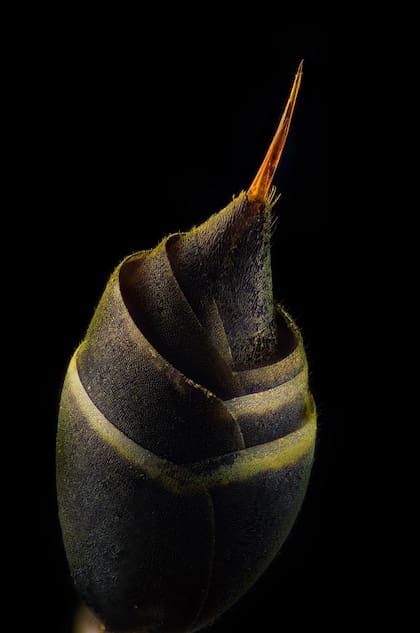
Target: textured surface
x,y
153,543
143,395
128,543
226,261
186,430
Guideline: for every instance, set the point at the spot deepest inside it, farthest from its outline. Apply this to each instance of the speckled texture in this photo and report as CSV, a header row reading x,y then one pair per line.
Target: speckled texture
x,y
143,395
127,539
226,260
186,431
143,551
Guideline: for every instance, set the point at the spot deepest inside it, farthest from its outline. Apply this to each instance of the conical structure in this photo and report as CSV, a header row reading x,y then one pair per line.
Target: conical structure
x,y
186,427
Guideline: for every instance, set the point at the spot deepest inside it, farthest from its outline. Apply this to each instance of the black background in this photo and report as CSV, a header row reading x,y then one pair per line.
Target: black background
x,y
128,140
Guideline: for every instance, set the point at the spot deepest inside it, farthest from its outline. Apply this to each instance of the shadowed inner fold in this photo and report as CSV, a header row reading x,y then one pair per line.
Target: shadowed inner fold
x,y
160,309
204,301
268,402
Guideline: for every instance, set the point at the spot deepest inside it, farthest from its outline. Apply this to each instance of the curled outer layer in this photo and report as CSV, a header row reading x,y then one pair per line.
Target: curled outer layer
x,y
179,477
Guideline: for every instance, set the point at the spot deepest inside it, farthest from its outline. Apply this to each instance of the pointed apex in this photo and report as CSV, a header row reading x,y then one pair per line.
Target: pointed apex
x,y
261,185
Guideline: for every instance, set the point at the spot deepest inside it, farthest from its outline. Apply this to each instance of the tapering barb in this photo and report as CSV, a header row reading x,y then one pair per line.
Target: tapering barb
x,y
260,187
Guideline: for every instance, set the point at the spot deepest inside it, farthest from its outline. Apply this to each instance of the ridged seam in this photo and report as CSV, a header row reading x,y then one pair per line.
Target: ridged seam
x,y
185,479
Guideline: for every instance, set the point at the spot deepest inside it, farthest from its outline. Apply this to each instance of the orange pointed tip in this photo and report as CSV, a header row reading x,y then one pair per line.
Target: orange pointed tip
x,y
261,185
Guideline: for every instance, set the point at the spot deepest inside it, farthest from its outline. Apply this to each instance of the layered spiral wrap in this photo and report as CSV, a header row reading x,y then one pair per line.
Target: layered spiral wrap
x,y
179,476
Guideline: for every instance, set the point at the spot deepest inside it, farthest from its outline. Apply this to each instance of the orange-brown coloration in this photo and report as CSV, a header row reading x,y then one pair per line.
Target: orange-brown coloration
x,y
260,187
